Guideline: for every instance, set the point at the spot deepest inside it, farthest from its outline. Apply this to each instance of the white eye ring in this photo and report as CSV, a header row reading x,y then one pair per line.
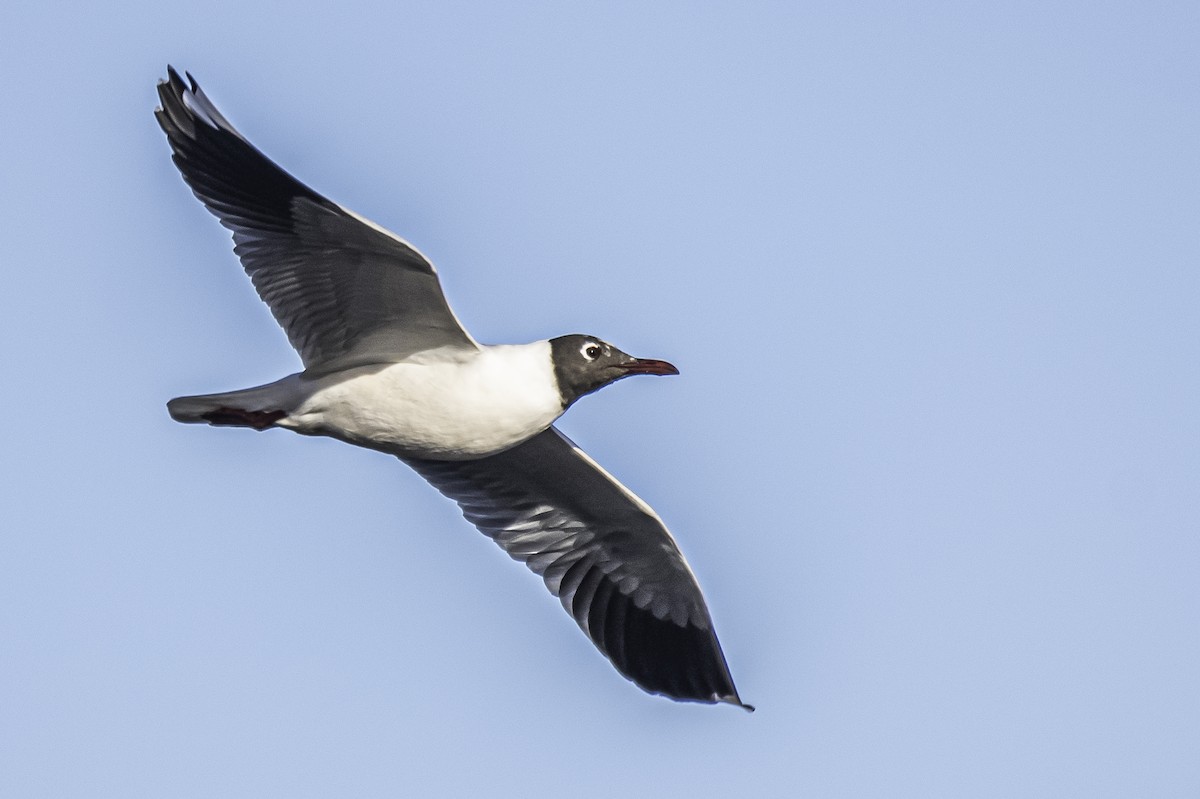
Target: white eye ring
x,y
591,350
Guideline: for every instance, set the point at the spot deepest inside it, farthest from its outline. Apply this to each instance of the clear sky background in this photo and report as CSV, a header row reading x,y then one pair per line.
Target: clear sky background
x,y
930,272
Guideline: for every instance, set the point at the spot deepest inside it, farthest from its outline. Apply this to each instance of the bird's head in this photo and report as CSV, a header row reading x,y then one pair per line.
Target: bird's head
x,y
583,364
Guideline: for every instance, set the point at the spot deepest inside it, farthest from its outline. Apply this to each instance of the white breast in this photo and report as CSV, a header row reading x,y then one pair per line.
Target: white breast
x,y
434,407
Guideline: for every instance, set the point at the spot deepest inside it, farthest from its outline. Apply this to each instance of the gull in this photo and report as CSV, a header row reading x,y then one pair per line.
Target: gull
x,y
388,366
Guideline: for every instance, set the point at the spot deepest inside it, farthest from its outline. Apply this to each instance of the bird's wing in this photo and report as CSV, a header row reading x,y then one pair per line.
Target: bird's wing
x,y
346,291
603,552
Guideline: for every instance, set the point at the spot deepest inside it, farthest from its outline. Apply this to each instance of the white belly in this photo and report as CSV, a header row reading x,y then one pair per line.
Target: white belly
x,y
447,411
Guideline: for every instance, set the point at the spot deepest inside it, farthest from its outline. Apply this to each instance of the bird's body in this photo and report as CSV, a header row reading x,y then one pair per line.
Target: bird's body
x,y
440,405
387,366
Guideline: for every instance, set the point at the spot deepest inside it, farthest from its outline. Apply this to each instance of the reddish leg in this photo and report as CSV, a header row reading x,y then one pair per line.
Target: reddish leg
x,y
236,417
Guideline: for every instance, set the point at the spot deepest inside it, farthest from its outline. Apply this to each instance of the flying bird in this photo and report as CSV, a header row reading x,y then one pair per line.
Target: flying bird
x,y
388,366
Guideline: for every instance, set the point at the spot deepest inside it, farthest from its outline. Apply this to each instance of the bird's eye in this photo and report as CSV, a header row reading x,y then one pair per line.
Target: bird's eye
x,y
591,351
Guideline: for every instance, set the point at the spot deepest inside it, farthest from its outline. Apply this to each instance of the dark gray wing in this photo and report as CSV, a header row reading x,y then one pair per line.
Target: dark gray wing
x,y
603,552
345,290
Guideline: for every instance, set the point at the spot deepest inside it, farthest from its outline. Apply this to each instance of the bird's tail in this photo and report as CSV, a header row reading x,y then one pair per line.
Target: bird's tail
x,y
259,407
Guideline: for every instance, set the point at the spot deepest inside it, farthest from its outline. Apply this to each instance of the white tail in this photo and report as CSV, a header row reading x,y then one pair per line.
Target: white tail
x,y
259,407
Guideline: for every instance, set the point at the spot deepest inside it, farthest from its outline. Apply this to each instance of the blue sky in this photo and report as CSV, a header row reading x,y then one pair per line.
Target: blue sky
x,y
930,275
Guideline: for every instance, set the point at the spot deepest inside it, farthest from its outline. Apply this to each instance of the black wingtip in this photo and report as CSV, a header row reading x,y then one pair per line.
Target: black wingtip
x,y
174,85
733,699
172,77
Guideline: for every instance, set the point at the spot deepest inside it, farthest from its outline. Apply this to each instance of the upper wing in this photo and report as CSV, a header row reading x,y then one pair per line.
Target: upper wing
x,y
603,552
345,290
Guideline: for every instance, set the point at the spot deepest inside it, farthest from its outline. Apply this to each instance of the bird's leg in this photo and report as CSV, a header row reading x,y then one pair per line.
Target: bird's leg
x,y
236,417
